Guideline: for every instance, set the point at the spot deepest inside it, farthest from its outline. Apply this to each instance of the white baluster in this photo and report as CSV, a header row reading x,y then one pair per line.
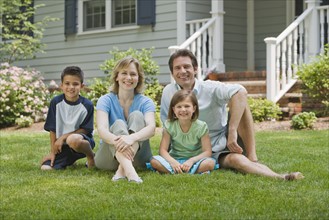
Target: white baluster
x,y
295,38
301,43
321,30
278,69
284,64
289,66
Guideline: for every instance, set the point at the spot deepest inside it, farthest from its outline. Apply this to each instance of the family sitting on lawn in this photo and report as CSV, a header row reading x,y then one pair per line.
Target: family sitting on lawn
x,y
196,135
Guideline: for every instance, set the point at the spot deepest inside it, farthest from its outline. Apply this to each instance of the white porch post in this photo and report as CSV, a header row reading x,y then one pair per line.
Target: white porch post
x,y
270,67
181,21
217,10
314,30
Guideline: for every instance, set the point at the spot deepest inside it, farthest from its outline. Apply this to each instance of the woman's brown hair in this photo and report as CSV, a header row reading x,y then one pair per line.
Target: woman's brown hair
x,y
122,65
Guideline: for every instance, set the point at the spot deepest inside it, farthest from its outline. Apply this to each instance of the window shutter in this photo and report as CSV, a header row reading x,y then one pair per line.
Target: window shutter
x,y
146,12
70,17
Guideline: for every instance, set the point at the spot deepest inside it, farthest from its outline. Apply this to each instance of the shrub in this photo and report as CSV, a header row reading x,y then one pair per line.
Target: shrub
x,y
303,120
315,77
150,67
263,109
23,93
24,121
96,89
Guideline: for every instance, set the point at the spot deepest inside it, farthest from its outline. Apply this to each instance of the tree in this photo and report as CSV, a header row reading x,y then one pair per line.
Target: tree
x,y
21,35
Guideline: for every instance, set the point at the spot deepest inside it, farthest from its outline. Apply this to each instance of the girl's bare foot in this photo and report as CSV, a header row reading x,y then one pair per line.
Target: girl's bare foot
x,y
294,176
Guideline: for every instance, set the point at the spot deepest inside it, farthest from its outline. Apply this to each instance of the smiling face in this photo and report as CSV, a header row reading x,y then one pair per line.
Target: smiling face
x,y
128,78
184,72
184,109
71,86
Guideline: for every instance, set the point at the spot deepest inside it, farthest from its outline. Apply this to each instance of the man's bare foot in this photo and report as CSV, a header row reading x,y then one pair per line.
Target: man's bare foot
x,y
294,176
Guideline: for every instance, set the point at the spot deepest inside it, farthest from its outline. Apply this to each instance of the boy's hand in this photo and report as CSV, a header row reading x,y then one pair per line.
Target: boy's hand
x,y
57,148
52,159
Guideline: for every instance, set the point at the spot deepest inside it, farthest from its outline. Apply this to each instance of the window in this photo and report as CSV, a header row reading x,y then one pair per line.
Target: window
x,y
93,15
90,16
124,12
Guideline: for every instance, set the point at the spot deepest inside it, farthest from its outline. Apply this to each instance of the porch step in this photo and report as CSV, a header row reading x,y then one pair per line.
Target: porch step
x,y
255,83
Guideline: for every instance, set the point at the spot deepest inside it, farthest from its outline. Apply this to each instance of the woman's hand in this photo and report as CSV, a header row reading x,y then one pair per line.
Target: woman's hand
x,y
123,144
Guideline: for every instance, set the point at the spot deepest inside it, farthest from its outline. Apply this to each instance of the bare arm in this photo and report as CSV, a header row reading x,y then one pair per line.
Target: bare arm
x,y
103,129
163,151
237,107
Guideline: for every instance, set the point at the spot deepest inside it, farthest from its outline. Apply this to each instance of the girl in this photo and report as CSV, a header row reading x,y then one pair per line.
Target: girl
x,y
190,150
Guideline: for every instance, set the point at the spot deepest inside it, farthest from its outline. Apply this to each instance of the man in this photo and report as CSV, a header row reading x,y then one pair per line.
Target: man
x,y
233,140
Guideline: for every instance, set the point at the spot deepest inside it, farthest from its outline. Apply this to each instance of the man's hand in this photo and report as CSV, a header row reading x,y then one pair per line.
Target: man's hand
x,y
232,143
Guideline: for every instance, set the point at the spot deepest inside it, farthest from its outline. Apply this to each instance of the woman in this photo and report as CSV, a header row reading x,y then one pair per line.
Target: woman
x,y
125,121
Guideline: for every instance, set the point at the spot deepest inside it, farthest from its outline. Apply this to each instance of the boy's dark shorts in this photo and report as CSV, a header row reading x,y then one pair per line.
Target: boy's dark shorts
x,y
68,156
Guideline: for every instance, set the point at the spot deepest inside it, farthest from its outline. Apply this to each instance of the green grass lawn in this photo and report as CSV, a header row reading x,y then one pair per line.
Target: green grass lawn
x,y
79,193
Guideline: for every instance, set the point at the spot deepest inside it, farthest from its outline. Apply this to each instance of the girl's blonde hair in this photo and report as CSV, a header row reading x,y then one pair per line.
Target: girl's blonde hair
x,y
180,96
122,65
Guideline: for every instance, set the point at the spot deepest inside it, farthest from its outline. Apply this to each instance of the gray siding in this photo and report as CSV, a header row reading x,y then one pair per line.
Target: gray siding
x,y
196,9
270,21
90,50
235,35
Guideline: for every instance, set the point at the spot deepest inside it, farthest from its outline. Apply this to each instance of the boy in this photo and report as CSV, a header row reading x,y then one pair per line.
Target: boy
x,y
70,121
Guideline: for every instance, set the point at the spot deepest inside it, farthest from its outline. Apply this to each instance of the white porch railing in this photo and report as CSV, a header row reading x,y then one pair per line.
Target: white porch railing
x,y
301,40
200,43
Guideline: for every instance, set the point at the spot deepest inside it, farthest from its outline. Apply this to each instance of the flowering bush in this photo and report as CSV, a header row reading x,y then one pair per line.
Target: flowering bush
x,y
24,121
23,93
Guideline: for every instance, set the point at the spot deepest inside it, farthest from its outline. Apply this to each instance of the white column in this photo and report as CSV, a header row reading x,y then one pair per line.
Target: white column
x,y
314,29
181,21
217,10
270,67
250,35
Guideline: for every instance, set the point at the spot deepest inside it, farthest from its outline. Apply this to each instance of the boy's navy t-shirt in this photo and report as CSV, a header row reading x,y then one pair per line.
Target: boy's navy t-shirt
x,y
65,116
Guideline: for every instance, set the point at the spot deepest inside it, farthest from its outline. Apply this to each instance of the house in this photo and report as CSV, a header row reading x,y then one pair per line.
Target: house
x,y
226,35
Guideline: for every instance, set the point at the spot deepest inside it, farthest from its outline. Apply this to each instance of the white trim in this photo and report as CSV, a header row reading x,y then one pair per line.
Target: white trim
x,y
181,21
108,20
250,35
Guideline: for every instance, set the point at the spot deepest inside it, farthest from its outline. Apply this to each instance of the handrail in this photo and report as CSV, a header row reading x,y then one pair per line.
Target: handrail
x,y
194,36
293,25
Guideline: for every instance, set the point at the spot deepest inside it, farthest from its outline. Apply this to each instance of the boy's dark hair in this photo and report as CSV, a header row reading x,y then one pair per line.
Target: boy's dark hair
x,y
73,71
182,53
180,96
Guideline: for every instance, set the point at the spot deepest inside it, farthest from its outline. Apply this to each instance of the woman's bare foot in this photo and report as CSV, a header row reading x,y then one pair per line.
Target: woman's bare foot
x,y
293,176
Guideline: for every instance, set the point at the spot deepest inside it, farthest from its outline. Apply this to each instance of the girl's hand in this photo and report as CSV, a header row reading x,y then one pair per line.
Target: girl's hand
x,y
186,166
176,167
